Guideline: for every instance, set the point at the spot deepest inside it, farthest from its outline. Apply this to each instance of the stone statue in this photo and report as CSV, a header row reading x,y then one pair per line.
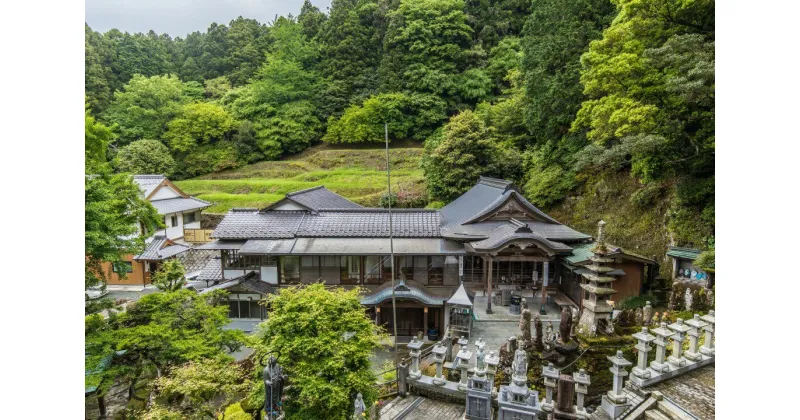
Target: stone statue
x,y
520,365
524,304
359,407
665,317
525,329
539,343
647,314
549,335
480,358
688,299
576,315
638,320
273,387
565,327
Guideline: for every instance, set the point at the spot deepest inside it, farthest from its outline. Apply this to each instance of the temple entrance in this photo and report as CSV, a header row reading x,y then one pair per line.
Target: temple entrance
x,y
409,321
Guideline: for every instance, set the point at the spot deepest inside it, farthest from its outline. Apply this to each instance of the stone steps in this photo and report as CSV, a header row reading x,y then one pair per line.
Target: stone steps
x,y
654,415
399,407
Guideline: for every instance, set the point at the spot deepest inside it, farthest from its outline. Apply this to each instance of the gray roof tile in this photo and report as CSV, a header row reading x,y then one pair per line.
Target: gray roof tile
x,y
512,231
148,183
212,271
174,205
321,198
156,250
252,224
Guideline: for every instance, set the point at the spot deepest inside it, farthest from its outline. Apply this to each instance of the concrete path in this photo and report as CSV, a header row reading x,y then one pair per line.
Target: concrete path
x,y
420,408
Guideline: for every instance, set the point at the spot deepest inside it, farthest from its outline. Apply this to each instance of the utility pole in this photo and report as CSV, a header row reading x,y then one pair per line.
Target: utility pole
x,y
391,239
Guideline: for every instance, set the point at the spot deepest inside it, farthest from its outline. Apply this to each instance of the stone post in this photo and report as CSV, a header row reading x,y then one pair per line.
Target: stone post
x,y
566,392
677,360
642,348
492,361
489,263
512,344
414,347
708,345
402,376
695,325
647,314
582,382
438,358
463,357
614,402
663,334
550,374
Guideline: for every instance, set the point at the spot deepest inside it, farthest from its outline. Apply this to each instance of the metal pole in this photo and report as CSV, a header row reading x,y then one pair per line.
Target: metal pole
x,y
391,238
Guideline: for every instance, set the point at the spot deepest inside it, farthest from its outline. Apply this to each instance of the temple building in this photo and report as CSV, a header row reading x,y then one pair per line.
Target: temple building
x,y
491,238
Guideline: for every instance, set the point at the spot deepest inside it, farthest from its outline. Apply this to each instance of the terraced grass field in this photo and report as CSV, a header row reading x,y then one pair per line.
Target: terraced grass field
x,y
356,173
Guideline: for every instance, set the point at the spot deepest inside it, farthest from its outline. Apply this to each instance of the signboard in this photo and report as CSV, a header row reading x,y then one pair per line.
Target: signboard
x,y
460,265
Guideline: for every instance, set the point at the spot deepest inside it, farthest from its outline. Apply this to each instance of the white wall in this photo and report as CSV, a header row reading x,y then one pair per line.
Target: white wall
x,y
165,192
289,206
174,231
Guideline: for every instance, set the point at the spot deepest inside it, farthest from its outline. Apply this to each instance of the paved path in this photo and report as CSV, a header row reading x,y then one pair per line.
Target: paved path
x,y
421,408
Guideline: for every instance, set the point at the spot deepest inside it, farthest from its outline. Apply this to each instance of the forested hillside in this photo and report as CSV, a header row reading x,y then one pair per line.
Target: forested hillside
x,y
566,97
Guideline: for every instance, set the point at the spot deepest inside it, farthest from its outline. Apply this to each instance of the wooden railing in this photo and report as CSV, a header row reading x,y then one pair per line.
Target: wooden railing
x,y
197,235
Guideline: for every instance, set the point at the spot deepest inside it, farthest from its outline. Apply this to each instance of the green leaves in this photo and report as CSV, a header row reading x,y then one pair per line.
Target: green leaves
x,y
198,124
170,276
145,157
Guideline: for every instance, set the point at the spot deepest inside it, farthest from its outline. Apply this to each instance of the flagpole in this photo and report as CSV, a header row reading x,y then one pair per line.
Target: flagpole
x,y
391,237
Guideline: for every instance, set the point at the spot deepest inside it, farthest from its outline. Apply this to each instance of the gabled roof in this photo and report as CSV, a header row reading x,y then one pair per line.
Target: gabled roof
x,y
404,289
174,205
249,282
316,199
212,270
148,183
460,297
160,248
516,230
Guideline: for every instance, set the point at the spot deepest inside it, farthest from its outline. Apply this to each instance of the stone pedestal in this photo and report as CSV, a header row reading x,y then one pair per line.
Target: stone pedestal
x,y
564,408
492,361
479,389
642,348
516,401
463,357
402,375
708,346
438,358
662,339
676,360
695,326
615,402
582,382
414,351
550,374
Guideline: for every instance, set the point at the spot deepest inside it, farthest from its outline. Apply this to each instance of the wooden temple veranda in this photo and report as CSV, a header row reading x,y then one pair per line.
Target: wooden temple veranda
x,y
491,238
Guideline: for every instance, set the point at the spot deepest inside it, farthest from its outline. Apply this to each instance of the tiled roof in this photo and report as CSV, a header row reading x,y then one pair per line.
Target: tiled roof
x,y
148,183
685,253
516,230
156,250
212,271
173,205
250,224
248,281
583,251
321,198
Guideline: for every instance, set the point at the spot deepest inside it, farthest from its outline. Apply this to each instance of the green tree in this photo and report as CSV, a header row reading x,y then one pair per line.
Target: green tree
x,y
311,20
198,123
247,42
427,50
408,115
145,157
144,107
494,20
170,276
323,339
455,160
113,208
99,79
160,332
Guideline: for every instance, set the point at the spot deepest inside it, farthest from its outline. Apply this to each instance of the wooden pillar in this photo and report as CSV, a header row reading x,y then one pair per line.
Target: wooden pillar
x,y
489,287
545,275
101,405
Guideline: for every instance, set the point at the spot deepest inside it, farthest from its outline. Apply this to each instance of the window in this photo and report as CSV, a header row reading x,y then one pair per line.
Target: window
x,y
436,271
350,269
122,267
291,269
174,220
373,269
189,218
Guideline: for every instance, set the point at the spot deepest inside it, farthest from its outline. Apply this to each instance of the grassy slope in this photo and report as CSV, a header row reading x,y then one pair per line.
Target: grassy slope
x,y
356,173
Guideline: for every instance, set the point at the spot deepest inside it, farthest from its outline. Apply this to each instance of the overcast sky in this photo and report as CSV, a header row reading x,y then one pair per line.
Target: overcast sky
x,y
181,17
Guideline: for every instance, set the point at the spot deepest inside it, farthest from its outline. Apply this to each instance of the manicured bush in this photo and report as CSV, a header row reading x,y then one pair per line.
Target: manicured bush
x,y
634,302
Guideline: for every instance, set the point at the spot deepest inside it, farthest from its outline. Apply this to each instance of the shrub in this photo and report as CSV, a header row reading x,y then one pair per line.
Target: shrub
x,y
634,302
145,157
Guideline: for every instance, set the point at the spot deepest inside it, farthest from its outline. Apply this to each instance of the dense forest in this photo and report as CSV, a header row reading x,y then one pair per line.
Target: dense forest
x,y
554,94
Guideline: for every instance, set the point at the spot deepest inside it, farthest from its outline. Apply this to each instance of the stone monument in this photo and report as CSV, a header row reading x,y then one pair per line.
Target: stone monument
x,y
525,340
539,343
359,409
516,401
273,389
479,388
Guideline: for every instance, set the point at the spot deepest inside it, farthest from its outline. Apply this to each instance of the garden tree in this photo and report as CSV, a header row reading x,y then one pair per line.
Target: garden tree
x,y
170,276
408,115
99,79
323,338
650,88
427,50
209,158
145,157
113,208
199,123
351,49
457,156
311,20
201,388
144,106
162,331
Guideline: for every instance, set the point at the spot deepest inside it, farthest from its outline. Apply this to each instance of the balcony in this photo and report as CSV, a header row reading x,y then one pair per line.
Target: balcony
x,y
199,236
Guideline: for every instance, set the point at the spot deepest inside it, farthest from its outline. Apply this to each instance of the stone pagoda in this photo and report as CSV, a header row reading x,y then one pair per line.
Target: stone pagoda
x,y
596,310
